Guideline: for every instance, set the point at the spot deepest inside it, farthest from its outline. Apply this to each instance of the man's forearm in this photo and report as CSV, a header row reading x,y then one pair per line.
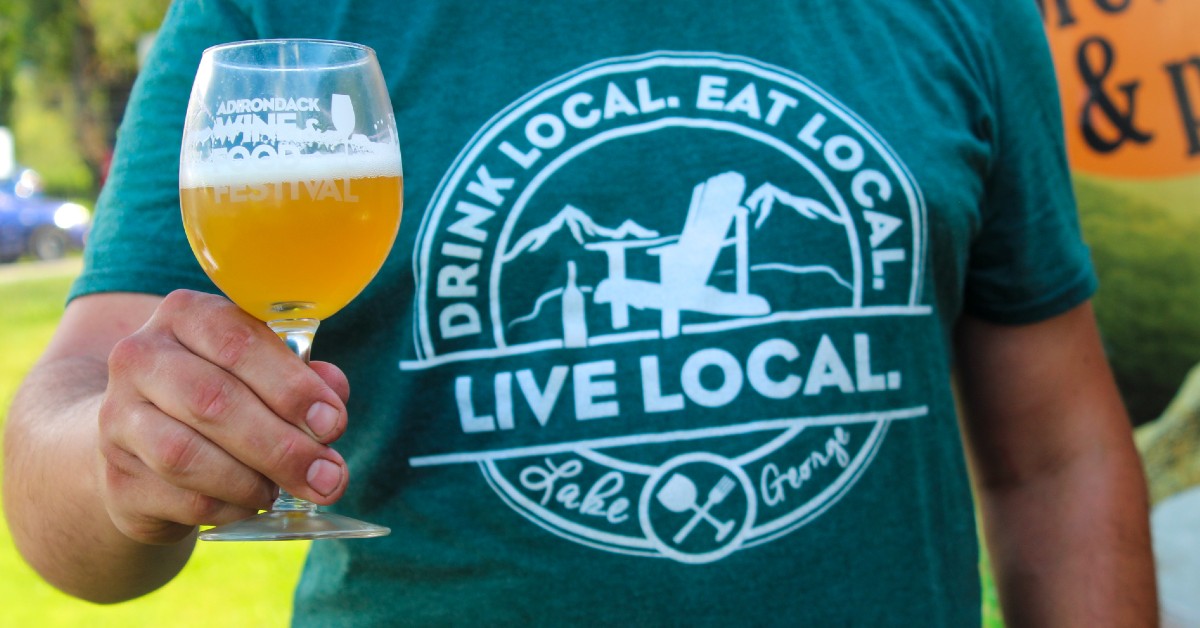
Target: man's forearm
x,y
1059,481
52,491
1071,547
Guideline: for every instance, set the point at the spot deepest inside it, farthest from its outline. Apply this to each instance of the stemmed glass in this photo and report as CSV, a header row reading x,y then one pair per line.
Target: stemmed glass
x,y
291,184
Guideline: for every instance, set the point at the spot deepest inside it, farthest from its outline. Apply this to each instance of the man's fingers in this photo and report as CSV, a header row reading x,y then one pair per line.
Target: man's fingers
x,y
231,419
154,512
185,458
334,378
230,391
162,478
217,331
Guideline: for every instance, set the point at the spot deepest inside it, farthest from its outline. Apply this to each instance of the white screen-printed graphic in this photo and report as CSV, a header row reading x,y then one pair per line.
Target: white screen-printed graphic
x,y
654,288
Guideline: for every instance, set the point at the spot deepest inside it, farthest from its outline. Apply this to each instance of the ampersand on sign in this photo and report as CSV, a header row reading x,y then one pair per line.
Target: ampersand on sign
x,y
1121,121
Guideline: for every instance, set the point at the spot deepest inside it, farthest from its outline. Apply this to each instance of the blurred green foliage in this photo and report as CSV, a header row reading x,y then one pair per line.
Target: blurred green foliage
x,y
45,142
1144,237
66,69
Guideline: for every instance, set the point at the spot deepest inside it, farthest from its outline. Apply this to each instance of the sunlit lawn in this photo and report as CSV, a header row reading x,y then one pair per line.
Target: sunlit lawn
x,y
225,584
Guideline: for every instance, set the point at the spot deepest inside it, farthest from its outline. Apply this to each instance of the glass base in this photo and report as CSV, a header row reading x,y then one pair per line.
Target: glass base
x,y
294,525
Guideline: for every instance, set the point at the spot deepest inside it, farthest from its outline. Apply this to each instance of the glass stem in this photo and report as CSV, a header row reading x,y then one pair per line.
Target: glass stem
x,y
298,334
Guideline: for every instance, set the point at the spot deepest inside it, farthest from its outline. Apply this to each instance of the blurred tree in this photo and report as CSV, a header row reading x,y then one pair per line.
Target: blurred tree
x,y
13,16
79,60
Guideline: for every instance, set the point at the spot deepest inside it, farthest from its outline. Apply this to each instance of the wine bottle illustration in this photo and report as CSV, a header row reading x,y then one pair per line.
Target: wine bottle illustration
x,y
574,317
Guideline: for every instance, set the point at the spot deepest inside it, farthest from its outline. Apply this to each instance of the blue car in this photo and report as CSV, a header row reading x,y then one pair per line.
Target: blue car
x,y
45,228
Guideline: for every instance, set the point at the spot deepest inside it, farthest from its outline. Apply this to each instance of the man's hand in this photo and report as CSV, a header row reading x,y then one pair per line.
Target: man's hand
x,y
205,413
146,417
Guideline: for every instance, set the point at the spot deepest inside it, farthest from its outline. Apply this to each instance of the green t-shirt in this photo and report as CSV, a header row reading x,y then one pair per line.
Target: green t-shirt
x,y
665,335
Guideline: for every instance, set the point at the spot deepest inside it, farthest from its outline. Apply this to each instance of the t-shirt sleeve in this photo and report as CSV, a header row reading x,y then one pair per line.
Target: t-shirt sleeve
x,y
1028,262
137,242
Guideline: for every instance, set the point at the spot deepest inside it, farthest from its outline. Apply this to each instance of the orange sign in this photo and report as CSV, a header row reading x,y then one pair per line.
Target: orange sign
x,y
1129,73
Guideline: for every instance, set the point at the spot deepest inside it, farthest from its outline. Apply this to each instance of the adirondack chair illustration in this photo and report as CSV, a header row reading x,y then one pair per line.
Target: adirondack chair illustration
x,y
686,262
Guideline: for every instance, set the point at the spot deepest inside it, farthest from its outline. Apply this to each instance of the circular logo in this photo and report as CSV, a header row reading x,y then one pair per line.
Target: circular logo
x,y
643,290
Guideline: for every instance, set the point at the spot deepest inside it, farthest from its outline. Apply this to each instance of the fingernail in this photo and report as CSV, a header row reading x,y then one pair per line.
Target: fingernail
x,y
321,419
324,476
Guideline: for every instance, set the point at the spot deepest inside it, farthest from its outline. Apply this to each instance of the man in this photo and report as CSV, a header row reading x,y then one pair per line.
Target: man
x,y
668,459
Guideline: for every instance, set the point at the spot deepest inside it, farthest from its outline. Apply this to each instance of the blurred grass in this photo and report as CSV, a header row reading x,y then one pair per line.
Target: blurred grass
x,y
991,603
225,584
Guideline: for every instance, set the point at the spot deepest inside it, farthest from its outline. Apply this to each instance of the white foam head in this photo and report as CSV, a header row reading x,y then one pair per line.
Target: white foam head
x,y
259,170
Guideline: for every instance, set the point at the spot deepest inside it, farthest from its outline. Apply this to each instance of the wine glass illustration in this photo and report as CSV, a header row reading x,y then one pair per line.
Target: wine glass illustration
x,y
341,111
679,494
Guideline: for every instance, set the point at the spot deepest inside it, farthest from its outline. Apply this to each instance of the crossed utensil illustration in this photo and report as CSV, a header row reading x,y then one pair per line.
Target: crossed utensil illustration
x,y
679,493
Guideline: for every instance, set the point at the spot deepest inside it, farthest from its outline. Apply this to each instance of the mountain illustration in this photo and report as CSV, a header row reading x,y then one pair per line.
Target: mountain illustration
x,y
824,251
726,262
581,227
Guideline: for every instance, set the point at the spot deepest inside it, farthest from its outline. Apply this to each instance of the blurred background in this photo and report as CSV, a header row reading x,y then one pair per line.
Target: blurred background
x,y
66,69
1130,83
1130,78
